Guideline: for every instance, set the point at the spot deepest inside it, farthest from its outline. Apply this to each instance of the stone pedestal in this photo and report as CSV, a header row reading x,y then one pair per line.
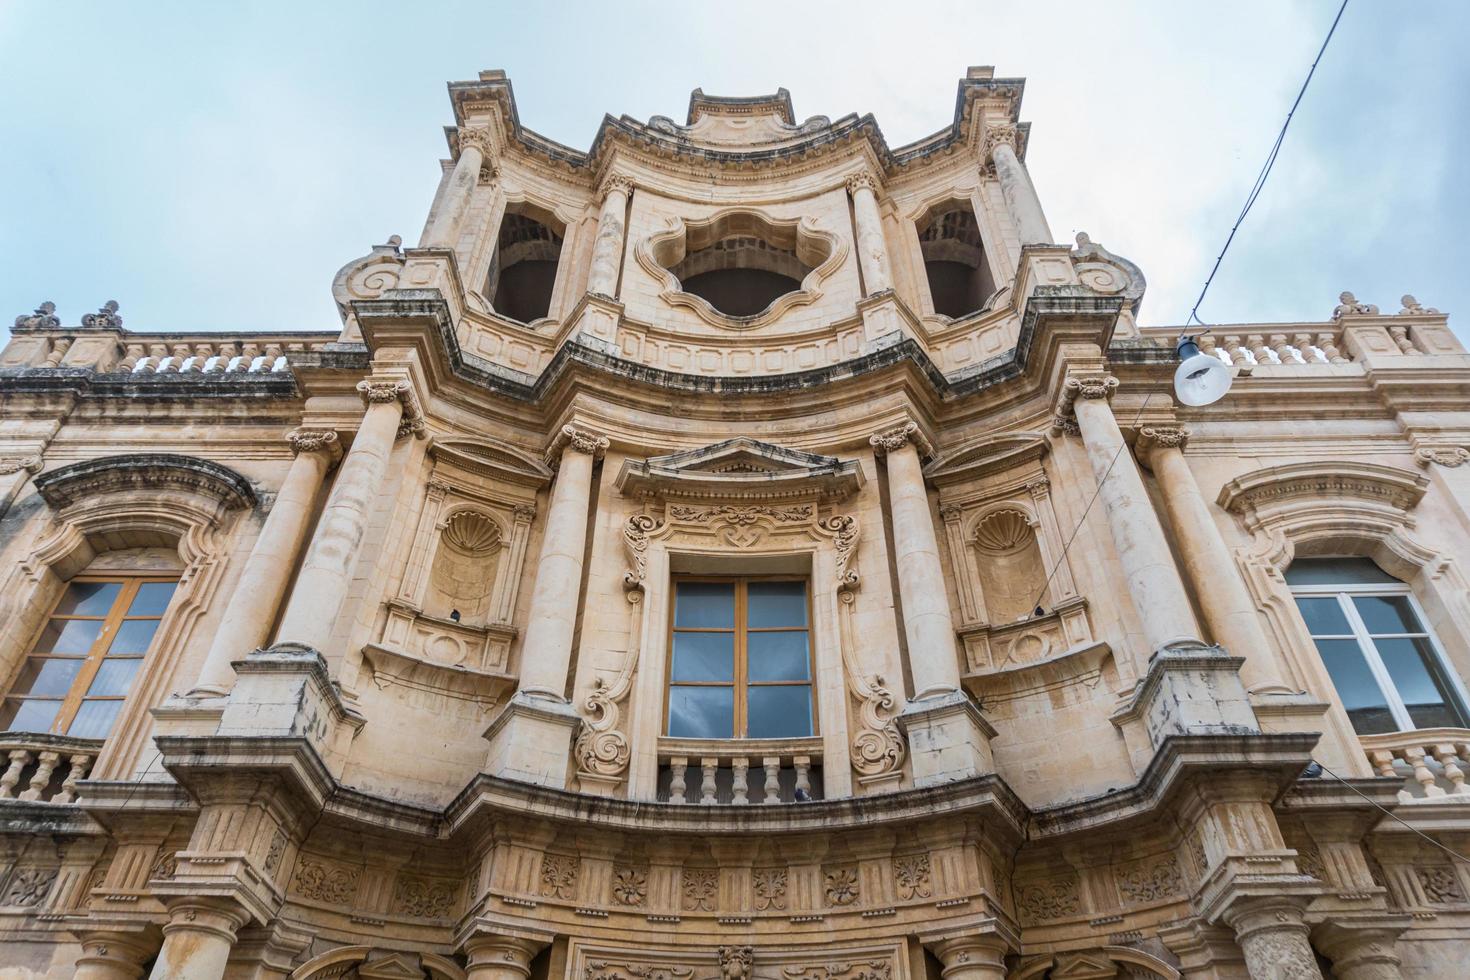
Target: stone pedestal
x,y
531,740
948,739
284,690
197,939
1190,691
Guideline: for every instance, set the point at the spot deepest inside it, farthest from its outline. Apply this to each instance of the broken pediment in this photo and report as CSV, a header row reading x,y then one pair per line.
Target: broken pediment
x,y
738,121
741,467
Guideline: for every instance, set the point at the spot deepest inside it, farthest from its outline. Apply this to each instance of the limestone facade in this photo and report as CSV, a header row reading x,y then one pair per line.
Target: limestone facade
x,y
418,695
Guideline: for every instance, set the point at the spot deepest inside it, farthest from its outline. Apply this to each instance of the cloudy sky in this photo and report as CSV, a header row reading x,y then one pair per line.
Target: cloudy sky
x,y
210,166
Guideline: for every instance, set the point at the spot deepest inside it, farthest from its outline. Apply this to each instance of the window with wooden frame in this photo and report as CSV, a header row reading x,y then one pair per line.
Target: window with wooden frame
x,y
90,651
740,659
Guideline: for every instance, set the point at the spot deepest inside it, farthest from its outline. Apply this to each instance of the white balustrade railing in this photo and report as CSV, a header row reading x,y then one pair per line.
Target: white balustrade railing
x,y
718,771
44,768
224,358
1432,762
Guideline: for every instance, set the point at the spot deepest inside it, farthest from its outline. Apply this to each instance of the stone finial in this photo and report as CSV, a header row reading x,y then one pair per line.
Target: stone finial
x,y
44,318
1348,305
1412,307
106,318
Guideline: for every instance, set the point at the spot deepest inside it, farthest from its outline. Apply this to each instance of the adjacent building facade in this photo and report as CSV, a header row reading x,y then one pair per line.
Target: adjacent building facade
x,y
740,550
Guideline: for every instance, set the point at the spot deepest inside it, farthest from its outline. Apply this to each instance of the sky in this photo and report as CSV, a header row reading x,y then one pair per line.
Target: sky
x,y
211,166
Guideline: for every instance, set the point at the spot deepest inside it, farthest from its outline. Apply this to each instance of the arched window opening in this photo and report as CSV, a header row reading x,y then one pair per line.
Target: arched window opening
x,y
523,271
960,281
1386,664
742,274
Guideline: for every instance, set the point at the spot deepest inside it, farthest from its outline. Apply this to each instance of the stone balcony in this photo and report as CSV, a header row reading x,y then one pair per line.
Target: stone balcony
x,y
44,768
1432,762
739,771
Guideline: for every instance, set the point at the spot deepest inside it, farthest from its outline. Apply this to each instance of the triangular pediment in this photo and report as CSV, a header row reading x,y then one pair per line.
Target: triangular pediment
x,y
741,467
394,966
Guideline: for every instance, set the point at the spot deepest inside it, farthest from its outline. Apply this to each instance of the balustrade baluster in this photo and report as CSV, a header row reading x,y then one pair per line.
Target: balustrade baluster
x,y
77,770
19,759
772,766
1448,758
707,788
42,776
803,774
1329,348
740,775
1422,773
678,768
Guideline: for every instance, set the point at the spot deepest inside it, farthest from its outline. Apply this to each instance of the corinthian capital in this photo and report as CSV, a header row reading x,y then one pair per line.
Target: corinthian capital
x,y
615,183
894,439
1153,438
1089,387
306,440
479,138
378,391
1003,134
861,181
577,440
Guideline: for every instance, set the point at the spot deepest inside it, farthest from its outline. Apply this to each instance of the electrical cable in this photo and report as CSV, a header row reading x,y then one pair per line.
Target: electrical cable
x,y
1452,853
1265,172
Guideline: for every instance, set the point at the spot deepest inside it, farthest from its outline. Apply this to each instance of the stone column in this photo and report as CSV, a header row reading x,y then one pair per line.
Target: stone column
x,y
978,957
927,623
197,939
252,608
871,248
491,957
14,472
444,232
392,412
607,248
1227,606
948,739
1148,567
531,739
999,149
1360,953
112,956
1273,938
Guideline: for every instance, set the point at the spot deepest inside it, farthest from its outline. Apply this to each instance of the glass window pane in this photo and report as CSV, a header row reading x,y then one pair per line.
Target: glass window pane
x,y
28,716
1337,571
133,636
114,677
780,712
69,636
1324,616
88,598
705,604
152,598
702,712
94,719
1360,693
778,656
704,657
47,677
1387,614
1420,681
775,604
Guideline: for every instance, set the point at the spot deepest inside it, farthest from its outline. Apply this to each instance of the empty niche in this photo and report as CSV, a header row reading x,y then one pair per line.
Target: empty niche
x,y
960,280
1011,570
465,566
522,272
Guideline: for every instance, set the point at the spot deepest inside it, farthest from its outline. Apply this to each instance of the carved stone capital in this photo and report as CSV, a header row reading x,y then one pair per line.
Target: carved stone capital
x,y
1450,456
894,439
578,440
1087,386
1153,438
511,954
376,391
615,184
487,175
861,181
1273,936
307,440
14,464
478,137
997,136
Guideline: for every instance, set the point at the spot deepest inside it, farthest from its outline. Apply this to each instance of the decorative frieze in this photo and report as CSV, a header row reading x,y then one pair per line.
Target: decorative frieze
x,y
700,888
841,885
559,876
770,889
1056,898
1149,881
911,876
423,898
321,881
630,885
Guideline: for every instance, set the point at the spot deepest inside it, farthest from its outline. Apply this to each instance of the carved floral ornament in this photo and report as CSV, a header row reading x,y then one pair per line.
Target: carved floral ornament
x,y
478,137
893,439
1449,456
998,135
14,464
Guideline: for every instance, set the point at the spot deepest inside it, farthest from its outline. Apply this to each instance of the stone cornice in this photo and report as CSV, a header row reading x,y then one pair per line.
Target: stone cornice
x,y
1265,495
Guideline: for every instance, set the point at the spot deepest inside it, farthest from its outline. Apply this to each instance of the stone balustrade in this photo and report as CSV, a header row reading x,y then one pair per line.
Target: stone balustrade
x,y
44,768
1432,762
716,771
120,351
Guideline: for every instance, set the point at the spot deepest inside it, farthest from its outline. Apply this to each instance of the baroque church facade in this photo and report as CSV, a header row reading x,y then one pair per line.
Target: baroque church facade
x,y
742,550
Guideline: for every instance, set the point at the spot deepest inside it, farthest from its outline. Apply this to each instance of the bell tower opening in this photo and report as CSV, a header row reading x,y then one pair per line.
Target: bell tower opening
x,y
523,271
958,270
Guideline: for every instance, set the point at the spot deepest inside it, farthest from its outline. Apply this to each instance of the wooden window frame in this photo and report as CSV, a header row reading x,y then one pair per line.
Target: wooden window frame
x,y
97,654
740,680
